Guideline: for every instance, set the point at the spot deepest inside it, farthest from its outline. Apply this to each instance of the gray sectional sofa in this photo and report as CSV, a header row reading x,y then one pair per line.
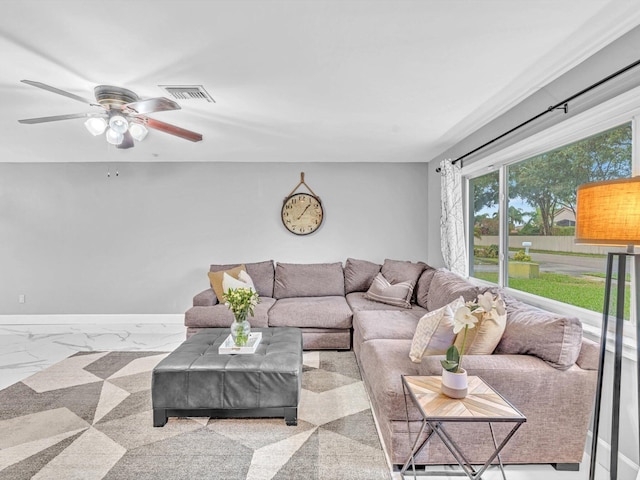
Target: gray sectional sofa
x,y
543,365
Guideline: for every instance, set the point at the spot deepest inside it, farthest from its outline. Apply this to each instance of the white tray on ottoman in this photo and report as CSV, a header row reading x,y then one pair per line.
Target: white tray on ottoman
x,y
229,348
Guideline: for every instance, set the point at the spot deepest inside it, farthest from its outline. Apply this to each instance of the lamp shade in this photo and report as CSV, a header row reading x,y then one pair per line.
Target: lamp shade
x,y
608,213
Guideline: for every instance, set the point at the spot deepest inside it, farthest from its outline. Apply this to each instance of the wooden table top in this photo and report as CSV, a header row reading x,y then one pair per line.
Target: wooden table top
x,y
482,403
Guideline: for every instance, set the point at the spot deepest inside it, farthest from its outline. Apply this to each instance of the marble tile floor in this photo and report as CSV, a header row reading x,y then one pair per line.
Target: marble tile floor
x,y
27,349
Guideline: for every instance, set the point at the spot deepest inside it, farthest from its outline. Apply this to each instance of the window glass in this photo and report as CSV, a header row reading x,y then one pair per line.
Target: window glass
x,y
543,257
484,192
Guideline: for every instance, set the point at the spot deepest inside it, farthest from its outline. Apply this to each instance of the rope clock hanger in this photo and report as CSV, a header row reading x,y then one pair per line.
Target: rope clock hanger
x,y
302,213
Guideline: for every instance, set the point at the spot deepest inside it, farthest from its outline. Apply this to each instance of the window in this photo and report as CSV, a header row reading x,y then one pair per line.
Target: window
x,y
541,257
484,191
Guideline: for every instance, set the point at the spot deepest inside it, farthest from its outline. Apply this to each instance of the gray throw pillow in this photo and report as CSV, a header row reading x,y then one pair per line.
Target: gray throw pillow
x,y
359,274
397,294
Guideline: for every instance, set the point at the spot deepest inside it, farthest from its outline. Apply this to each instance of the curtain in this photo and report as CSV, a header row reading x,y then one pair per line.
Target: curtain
x,y
452,219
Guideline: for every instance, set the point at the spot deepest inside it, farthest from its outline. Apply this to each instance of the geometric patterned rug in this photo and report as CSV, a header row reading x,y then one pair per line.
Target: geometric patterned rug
x,y
89,417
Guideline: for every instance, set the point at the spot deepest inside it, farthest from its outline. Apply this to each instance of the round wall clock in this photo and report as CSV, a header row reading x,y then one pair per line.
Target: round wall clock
x,y
302,213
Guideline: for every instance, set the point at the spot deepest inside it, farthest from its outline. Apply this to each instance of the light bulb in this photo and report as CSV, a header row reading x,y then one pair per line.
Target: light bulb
x,y
118,123
96,125
113,137
138,131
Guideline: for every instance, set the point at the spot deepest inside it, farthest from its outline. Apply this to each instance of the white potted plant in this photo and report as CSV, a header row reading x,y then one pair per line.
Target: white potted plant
x,y
454,377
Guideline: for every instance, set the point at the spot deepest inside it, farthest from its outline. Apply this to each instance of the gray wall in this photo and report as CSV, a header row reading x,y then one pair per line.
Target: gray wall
x,y
76,241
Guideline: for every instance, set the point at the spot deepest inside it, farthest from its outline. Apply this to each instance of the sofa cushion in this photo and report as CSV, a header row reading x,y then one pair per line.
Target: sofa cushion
x,y
422,287
308,280
483,338
216,278
446,286
377,324
261,273
382,362
220,316
397,271
554,338
398,294
434,332
320,312
358,275
358,301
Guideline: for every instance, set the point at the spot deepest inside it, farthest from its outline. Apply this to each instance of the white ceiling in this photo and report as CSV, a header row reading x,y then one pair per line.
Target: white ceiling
x,y
350,80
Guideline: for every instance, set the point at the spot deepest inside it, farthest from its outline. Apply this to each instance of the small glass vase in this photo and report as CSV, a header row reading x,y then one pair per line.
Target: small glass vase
x,y
240,330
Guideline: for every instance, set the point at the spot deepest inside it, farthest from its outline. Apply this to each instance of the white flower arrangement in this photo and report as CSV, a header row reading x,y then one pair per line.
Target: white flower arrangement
x,y
241,301
486,306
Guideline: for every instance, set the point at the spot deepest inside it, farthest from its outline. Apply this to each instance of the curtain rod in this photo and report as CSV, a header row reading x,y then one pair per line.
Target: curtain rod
x,y
563,105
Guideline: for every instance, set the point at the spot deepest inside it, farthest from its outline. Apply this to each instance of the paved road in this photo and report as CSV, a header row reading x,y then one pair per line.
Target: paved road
x,y
566,264
569,264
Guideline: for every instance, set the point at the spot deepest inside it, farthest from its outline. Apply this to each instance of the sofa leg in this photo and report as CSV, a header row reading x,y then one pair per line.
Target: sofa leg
x,y
566,467
291,416
159,417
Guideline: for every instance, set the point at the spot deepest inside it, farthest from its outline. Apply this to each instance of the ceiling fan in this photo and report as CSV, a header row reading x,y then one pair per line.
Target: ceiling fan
x,y
123,115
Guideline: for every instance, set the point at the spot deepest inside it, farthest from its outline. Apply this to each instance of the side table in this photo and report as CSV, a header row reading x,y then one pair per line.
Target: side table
x,y
482,404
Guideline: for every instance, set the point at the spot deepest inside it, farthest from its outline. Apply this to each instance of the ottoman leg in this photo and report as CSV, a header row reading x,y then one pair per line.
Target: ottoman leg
x,y
159,417
291,416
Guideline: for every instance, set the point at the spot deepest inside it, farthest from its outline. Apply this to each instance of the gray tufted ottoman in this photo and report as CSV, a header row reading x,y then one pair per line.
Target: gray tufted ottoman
x,y
196,381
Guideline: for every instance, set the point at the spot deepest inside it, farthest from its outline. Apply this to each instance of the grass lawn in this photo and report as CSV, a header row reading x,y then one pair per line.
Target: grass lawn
x,y
576,291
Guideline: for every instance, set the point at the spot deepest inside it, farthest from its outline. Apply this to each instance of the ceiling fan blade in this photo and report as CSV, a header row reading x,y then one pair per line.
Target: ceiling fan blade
x,y
150,105
127,141
55,118
170,129
44,86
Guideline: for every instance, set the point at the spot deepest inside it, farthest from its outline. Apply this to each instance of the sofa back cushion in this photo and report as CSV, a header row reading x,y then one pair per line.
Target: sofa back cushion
x,y
261,273
359,274
308,280
423,285
552,337
445,287
396,271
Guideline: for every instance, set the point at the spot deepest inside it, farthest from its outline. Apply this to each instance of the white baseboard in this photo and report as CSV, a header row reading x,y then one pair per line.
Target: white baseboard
x,y
627,468
92,319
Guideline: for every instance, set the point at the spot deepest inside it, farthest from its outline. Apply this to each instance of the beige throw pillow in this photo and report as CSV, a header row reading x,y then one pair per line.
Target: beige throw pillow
x,y
398,294
434,333
216,280
484,337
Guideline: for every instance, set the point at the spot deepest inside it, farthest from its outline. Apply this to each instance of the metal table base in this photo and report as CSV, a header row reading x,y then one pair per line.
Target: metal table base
x,y
437,426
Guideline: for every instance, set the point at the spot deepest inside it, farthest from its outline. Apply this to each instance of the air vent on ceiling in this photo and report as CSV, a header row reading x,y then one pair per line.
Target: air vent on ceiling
x,y
187,92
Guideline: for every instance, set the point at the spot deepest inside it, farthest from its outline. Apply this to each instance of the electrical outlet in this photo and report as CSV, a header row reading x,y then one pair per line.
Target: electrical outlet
x,y
21,298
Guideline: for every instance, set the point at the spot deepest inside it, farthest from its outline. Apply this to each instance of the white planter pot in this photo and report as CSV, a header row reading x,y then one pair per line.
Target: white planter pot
x,y
454,385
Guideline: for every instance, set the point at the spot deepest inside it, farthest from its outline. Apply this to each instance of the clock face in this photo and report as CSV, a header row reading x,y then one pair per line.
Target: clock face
x,y
302,213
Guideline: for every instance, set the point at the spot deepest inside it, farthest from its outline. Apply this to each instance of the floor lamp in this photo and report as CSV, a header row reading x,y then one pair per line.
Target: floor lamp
x,y
608,213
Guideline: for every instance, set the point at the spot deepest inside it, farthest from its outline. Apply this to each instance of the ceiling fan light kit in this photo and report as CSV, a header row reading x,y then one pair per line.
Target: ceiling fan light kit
x,y
138,131
96,125
124,118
